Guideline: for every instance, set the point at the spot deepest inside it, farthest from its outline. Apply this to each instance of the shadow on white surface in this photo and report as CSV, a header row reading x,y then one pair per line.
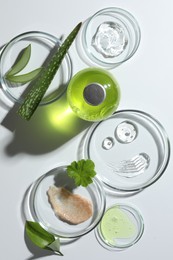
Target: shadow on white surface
x,y
3,104
49,128
35,251
38,252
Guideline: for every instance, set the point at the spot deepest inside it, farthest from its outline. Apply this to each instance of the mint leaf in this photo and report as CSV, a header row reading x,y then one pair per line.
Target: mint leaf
x,y
82,172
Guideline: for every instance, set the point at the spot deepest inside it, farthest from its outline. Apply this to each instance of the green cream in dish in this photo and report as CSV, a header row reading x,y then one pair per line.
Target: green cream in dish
x,y
117,224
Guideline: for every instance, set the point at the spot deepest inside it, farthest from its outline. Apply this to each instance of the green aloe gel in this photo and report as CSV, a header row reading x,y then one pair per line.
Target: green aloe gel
x,y
93,94
116,225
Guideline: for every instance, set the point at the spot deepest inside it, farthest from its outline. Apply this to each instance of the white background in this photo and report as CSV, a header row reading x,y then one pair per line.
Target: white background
x,y
27,150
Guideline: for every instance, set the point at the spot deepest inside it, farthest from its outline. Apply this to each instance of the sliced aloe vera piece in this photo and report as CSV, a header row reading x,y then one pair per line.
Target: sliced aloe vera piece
x,y
21,62
37,92
42,238
55,247
24,78
38,235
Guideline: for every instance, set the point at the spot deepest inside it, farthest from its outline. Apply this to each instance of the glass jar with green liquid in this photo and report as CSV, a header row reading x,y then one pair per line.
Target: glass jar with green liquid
x,y
93,94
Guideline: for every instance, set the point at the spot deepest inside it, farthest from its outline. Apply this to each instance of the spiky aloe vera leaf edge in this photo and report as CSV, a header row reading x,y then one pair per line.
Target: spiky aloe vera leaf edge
x,y
38,90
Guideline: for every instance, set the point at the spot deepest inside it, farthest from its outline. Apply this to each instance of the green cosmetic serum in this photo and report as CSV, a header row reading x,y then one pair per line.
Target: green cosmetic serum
x,y
93,94
116,225
120,227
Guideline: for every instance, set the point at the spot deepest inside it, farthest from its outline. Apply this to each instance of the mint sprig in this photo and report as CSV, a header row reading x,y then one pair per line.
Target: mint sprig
x,y
42,238
82,172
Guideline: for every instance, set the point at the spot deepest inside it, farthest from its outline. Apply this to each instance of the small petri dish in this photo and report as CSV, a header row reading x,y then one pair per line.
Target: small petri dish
x,y
43,46
108,38
37,207
121,227
130,150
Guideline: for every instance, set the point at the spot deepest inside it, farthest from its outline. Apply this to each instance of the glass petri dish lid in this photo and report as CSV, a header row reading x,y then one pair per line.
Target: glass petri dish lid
x,y
108,38
130,150
43,46
121,227
38,208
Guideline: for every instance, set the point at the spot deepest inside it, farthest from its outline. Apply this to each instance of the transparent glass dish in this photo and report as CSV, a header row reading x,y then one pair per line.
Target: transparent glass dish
x,y
130,150
43,45
121,227
37,207
116,31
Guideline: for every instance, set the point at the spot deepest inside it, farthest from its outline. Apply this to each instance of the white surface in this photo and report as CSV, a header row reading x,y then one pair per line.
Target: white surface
x,y
31,149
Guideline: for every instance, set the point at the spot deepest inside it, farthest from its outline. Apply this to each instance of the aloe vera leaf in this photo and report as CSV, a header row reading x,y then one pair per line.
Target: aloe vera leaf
x,y
21,62
38,90
39,236
24,78
42,238
55,247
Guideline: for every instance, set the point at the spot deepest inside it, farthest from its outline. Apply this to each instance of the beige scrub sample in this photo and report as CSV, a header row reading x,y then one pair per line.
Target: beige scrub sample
x,y
69,207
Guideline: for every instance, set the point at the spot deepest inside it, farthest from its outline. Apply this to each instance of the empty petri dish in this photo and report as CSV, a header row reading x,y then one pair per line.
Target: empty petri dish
x,y
137,150
108,38
121,227
43,46
38,208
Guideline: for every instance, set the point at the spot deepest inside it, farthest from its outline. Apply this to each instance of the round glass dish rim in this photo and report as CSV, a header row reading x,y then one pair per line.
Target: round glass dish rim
x,y
54,40
137,215
165,141
102,194
137,32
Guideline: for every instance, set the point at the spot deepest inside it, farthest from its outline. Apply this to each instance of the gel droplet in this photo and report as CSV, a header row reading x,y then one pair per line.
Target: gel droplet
x,y
110,39
126,132
123,228
108,143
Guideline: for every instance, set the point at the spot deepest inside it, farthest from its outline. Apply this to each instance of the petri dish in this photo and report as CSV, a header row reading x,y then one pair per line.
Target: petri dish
x,y
121,227
37,207
43,46
130,149
108,38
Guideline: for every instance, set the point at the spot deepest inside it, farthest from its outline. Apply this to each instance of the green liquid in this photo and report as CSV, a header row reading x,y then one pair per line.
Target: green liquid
x,y
116,224
76,99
